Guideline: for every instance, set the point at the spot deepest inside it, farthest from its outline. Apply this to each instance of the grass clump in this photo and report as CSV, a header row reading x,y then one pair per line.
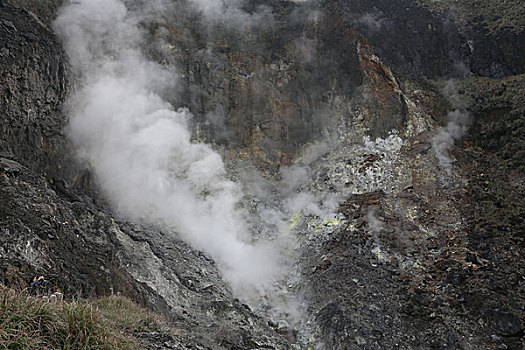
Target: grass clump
x,y
108,323
126,315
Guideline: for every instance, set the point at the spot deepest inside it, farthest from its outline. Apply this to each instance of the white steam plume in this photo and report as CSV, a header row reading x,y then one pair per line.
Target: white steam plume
x,y
443,141
374,224
372,21
457,125
140,147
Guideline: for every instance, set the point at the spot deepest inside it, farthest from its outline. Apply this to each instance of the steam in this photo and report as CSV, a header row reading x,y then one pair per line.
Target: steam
x,y
443,141
140,148
372,21
294,184
280,202
374,224
458,123
306,49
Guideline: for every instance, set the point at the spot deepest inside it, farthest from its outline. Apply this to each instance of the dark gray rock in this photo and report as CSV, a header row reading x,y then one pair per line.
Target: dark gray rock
x,y
505,322
33,77
9,166
449,271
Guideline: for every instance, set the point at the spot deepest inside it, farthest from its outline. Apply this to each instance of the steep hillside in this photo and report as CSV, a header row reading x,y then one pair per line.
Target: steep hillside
x,y
375,148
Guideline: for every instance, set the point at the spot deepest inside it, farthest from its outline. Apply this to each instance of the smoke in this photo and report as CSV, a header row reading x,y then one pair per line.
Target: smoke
x,y
374,224
292,178
372,21
279,202
294,185
457,125
306,49
217,120
302,200
313,151
442,142
140,149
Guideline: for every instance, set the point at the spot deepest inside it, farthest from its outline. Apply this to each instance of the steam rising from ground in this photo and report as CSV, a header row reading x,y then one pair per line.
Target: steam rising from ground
x,y
457,125
443,141
374,224
372,21
140,148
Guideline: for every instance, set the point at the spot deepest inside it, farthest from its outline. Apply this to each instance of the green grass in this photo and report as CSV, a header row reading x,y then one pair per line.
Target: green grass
x,y
29,323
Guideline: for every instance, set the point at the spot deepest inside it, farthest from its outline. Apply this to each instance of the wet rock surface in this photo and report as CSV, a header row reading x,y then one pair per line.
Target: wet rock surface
x,y
417,258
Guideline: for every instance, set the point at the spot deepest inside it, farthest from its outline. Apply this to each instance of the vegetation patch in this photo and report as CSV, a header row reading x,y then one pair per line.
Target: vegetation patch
x,y
499,125
28,322
495,15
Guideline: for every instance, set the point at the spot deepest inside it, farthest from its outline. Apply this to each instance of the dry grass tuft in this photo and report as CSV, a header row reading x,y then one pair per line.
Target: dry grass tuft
x,y
107,323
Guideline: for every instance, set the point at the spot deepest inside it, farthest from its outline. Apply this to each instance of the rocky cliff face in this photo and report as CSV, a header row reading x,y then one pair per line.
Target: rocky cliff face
x,y
35,85
52,229
366,97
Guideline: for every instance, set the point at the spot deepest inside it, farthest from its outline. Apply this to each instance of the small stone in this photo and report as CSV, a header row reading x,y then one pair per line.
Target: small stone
x,y
283,327
495,338
360,340
505,322
31,37
7,154
10,166
9,25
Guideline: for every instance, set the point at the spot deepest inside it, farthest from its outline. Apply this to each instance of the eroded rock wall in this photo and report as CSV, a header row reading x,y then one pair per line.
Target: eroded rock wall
x,y
418,257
